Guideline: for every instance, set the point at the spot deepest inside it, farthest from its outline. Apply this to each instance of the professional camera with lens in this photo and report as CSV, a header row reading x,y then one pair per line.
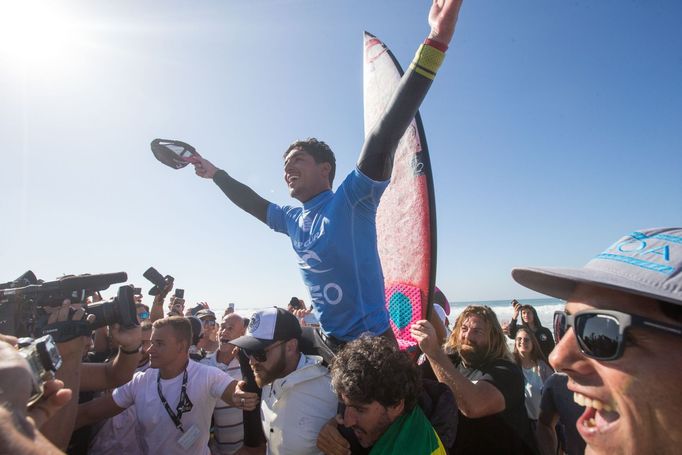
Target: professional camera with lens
x,y
44,360
118,310
24,300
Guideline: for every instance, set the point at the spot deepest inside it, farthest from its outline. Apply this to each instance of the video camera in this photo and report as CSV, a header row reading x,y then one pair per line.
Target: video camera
x,y
23,301
43,359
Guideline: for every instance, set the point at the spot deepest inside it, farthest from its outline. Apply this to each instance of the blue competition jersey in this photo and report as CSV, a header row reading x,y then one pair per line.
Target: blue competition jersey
x,y
335,238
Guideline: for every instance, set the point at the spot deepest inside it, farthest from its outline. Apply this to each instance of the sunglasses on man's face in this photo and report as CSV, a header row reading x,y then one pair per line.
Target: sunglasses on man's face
x,y
601,333
260,355
144,315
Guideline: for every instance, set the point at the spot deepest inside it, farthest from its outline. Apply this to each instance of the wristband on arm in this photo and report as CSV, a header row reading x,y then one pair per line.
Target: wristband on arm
x,y
428,58
130,352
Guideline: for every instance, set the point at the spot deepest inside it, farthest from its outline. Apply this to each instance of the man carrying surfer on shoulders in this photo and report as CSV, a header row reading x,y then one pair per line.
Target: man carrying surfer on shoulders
x,y
334,233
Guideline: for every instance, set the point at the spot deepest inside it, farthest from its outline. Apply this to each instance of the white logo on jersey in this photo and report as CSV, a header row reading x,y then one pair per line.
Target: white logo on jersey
x,y
332,298
305,223
304,262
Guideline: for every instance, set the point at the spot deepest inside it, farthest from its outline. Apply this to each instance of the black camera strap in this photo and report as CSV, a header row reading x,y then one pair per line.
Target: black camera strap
x,y
184,404
63,331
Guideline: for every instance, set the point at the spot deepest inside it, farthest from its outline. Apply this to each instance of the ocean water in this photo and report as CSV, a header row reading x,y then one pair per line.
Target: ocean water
x,y
503,309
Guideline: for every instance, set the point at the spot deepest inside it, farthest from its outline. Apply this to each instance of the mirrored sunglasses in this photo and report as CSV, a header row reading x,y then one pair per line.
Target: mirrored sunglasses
x,y
601,333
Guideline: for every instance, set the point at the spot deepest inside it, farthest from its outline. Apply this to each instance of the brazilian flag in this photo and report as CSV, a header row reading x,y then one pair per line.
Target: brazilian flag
x,y
410,433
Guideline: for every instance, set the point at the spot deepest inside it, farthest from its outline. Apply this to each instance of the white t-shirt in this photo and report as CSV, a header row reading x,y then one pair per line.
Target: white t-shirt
x,y
533,392
205,385
119,434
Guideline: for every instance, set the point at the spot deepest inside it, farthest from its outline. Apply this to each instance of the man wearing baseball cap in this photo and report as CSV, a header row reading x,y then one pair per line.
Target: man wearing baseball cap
x,y
297,398
620,341
209,326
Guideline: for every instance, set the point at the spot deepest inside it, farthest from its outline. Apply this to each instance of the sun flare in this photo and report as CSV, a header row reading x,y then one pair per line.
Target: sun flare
x,y
36,33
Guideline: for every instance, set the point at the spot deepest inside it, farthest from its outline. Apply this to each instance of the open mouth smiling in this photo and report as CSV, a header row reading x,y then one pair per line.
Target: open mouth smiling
x,y
599,417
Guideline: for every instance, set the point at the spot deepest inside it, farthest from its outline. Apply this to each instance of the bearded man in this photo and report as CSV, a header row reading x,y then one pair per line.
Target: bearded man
x,y
488,385
297,398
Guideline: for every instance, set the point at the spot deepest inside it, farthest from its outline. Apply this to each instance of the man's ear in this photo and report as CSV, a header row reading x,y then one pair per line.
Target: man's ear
x,y
292,345
396,410
326,170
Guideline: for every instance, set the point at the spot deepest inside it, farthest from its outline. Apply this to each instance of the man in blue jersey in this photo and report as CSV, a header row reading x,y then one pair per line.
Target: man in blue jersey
x,y
334,233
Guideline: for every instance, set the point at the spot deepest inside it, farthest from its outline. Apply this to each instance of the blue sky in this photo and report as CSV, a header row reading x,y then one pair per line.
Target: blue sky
x,y
554,128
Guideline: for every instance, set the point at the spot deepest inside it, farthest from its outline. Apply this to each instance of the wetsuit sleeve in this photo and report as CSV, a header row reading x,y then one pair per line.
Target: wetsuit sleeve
x,y
376,158
241,195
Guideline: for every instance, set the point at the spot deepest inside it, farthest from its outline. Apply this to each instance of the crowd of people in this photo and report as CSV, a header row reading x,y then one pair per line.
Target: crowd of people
x,y
186,380
330,378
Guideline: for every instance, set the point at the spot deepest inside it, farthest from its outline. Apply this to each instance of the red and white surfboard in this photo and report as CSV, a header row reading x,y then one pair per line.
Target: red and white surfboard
x,y
406,218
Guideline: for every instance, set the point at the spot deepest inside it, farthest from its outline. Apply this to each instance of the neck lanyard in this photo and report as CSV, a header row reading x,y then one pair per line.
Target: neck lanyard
x,y
184,405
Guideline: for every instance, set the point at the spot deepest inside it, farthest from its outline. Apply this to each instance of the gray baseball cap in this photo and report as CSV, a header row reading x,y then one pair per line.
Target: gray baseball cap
x,y
647,262
205,313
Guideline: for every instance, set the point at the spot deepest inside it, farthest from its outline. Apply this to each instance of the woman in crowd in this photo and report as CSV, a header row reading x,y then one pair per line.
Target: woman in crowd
x,y
532,361
530,319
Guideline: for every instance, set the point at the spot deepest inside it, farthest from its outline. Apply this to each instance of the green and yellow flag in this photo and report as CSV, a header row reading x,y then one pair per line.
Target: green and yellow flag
x,y
410,433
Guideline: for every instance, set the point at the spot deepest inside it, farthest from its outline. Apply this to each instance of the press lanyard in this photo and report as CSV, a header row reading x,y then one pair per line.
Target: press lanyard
x,y
184,405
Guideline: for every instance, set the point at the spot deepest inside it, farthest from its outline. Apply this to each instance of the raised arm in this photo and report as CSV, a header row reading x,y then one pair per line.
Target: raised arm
x,y
376,158
156,311
473,400
100,376
241,195
59,428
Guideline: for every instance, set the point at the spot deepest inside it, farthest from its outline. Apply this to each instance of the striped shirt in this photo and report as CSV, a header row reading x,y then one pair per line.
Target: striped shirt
x,y
228,421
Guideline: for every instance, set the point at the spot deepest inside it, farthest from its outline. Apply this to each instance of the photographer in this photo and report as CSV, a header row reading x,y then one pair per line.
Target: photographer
x,y
57,314
88,377
20,427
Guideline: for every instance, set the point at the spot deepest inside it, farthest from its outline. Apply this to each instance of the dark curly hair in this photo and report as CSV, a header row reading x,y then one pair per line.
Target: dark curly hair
x,y
372,368
320,152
